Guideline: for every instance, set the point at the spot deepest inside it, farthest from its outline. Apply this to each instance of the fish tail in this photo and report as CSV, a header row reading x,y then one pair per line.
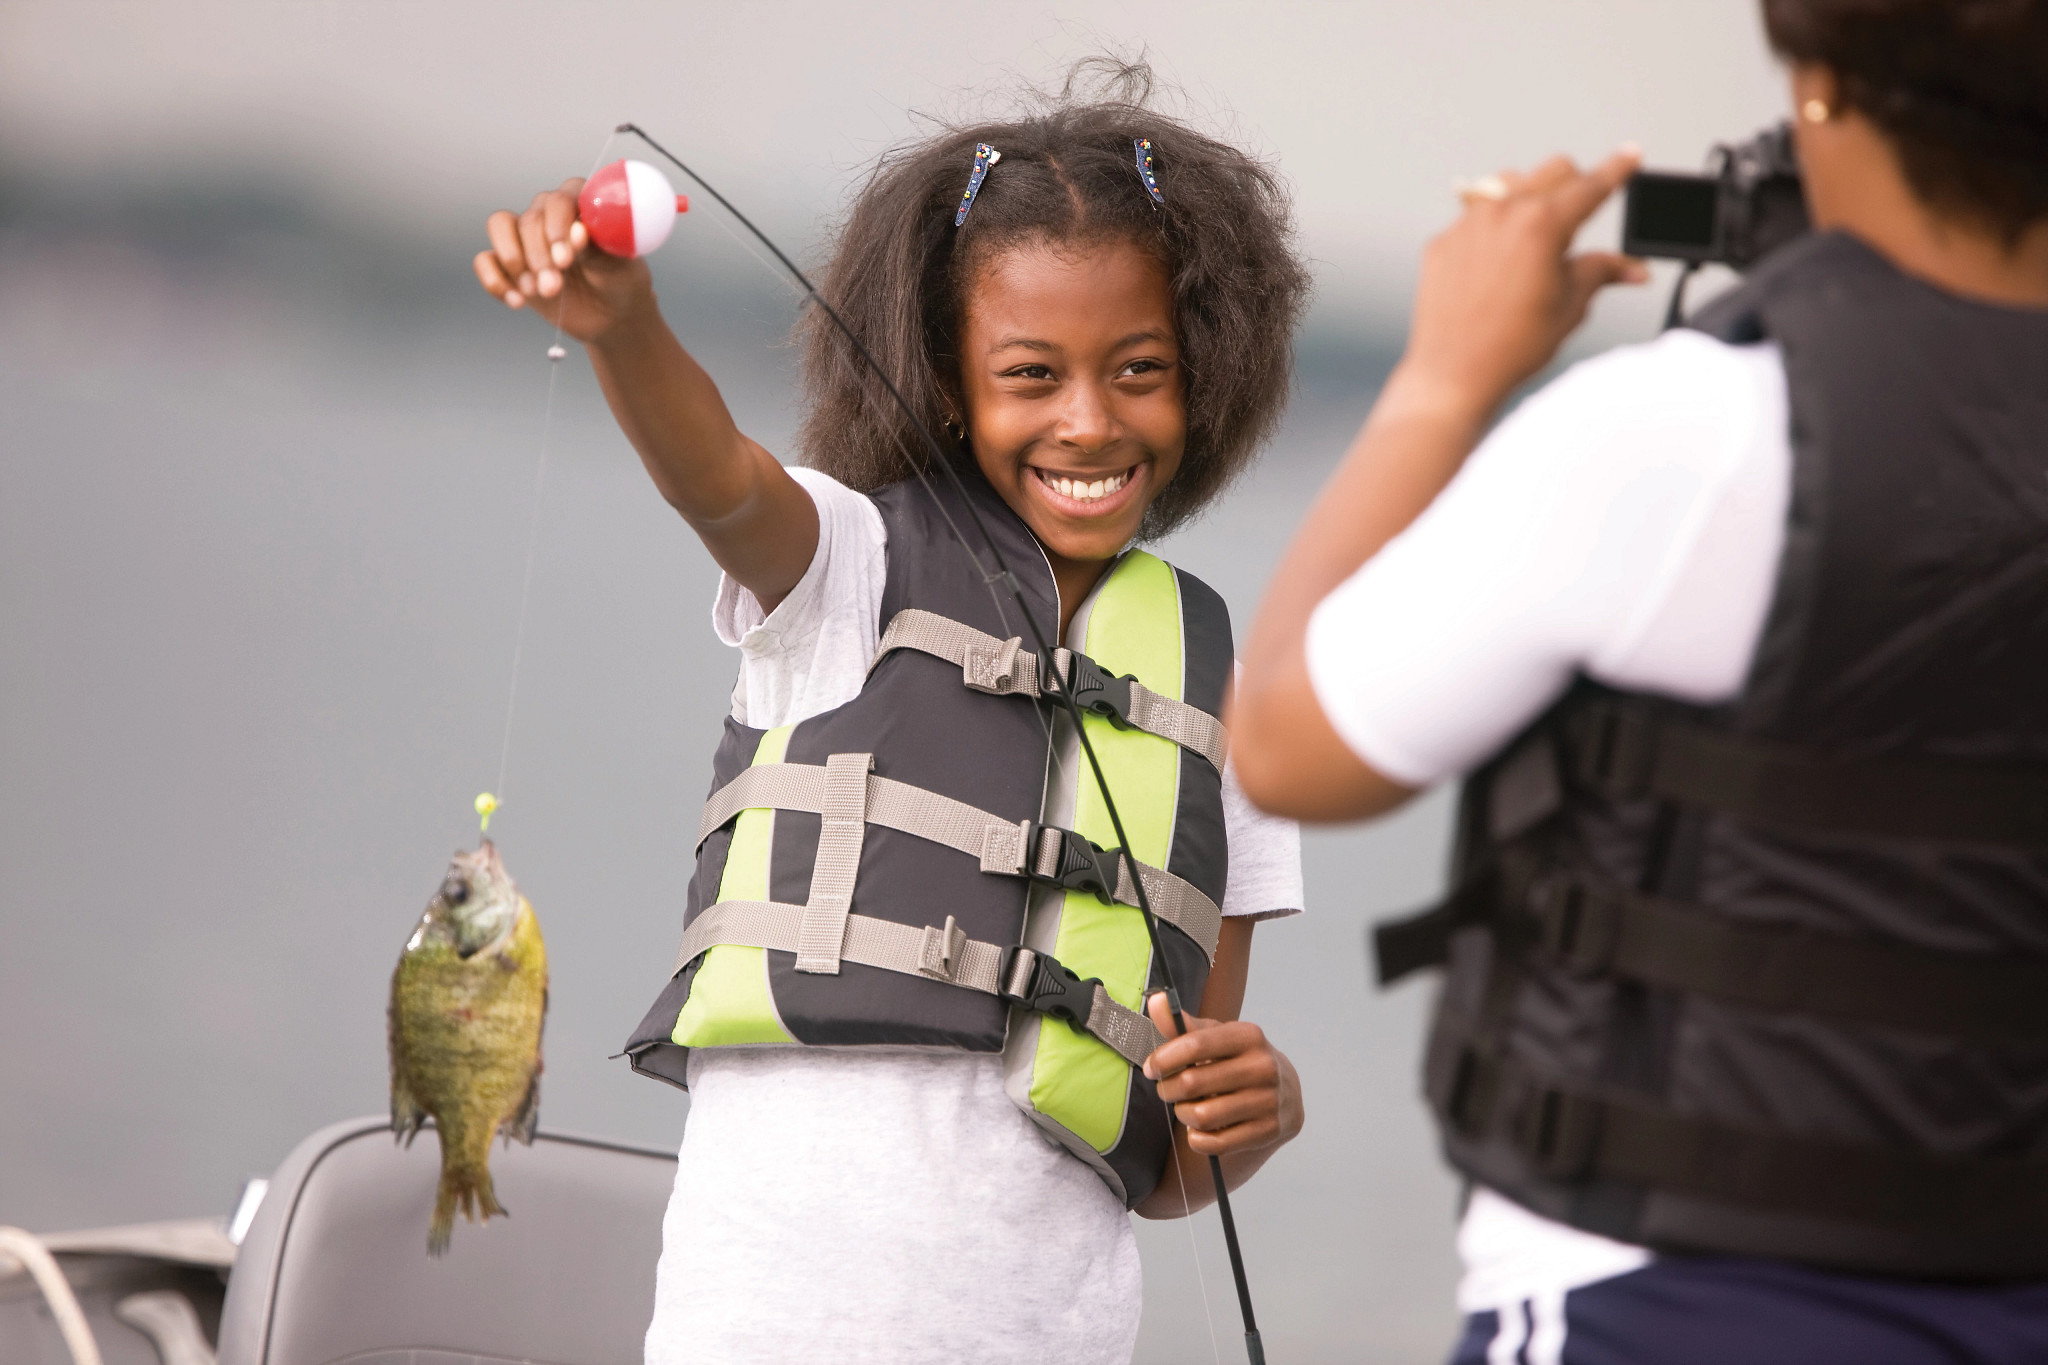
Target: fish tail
x,y
465,1187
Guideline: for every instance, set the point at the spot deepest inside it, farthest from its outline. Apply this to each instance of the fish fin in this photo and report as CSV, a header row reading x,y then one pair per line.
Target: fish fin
x,y
406,1113
526,1118
466,1188
439,1231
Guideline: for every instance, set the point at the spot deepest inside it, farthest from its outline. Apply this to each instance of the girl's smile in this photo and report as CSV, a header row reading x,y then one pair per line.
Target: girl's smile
x,y
1091,493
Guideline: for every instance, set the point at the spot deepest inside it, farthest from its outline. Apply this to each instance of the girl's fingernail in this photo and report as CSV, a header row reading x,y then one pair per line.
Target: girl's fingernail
x,y
1631,149
526,282
550,281
514,299
562,254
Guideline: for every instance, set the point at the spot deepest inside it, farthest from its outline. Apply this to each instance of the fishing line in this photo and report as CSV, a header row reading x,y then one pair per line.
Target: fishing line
x,y
496,796
1003,576
1195,1246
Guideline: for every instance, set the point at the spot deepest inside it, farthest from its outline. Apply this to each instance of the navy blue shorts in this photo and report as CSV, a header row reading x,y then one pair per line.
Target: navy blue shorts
x,y
1726,1311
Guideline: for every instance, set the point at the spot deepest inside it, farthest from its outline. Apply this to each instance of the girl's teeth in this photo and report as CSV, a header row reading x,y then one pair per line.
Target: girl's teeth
x,y
1087,491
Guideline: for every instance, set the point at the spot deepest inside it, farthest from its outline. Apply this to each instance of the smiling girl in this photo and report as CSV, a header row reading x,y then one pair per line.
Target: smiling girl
x,y
909,1002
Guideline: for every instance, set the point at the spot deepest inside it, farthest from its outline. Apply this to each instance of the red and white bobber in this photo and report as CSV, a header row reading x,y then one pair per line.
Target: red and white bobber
x,y
629,207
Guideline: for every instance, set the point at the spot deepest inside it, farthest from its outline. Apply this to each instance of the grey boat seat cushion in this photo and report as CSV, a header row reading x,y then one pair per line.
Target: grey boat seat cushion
x,y
335,1266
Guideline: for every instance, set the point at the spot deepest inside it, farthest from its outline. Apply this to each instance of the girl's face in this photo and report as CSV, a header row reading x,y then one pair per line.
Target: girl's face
x,y
1074,396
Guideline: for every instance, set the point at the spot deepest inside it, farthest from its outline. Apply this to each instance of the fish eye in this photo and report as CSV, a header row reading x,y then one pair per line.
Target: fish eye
x,y
455,891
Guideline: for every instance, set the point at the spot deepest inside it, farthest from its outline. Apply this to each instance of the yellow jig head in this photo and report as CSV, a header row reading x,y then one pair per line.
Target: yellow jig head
x,y
486,807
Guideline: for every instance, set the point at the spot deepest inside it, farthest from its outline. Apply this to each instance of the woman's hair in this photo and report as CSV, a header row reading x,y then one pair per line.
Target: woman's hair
x,y
901,274
1959,86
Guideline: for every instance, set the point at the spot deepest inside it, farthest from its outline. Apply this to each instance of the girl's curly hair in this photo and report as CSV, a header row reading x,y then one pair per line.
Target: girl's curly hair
x,y
900,273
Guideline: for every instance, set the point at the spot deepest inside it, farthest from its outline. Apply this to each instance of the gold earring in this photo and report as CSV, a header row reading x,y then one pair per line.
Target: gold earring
x,y
1816,111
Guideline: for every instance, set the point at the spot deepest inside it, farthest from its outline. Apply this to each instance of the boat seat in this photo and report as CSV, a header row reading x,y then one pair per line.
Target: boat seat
x,y
334,1266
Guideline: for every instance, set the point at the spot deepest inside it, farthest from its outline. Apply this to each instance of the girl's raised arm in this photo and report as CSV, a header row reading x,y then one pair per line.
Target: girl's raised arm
x,y
758,522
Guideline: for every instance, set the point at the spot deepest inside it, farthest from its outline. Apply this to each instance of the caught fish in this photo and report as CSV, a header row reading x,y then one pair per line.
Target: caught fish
x,y
467,1002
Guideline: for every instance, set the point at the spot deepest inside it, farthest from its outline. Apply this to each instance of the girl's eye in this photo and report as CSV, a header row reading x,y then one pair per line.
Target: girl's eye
x,y
1029,372
1143,367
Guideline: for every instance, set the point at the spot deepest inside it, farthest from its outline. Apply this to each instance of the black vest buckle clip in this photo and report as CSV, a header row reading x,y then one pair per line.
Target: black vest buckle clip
x,y
1096,690
1558,1132
1039,982
1576,927
1060,857
1612,747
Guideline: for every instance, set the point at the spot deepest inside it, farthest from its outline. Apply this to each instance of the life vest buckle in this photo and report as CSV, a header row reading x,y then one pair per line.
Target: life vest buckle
x,y
1095,689
1577,928
1558,1132
1039,982
1060,857
1612,747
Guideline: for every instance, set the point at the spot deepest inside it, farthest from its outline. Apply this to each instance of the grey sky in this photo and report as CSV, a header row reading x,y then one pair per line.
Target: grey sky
x,y
428,113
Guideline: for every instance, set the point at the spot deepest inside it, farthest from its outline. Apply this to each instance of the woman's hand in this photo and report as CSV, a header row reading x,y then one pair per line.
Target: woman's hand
x,y
544,258
1232,1090
1498,293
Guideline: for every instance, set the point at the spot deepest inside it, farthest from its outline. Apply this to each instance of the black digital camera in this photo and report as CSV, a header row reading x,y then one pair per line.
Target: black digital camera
x,y
1748,203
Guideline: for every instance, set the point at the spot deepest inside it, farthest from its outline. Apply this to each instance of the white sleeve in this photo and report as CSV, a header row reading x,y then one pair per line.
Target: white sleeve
x,y
812,652
1624,522
1265,858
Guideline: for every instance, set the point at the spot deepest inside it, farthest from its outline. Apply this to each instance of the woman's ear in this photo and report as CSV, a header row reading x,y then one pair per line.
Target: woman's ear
x,y
1816,93
1831,167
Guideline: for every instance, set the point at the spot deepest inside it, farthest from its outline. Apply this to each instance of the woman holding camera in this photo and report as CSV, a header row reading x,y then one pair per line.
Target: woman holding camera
x,y
1740,641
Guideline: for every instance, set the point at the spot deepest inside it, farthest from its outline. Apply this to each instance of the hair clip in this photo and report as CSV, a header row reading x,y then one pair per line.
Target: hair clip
x,y
1143,146
985,156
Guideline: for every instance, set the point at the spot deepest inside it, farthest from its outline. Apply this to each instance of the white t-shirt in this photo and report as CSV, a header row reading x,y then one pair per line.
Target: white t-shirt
x,y
883,1204
1624,523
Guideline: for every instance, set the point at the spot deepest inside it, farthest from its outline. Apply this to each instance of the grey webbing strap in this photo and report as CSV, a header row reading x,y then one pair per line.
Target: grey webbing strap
x,y
1128,1033
1174,900
838,863
899,805
997,843
1001,667
1004,668
942,954
1188,726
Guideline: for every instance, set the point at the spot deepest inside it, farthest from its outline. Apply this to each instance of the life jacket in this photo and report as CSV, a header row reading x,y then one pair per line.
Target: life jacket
x,y
1771,978
932,863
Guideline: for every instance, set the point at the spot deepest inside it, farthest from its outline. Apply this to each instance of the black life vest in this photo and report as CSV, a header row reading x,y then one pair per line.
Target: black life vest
x,y
1771,978
931,863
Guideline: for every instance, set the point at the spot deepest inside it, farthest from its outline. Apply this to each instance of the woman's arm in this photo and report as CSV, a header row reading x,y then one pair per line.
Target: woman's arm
x,y
1498,296
1235,1094
756,520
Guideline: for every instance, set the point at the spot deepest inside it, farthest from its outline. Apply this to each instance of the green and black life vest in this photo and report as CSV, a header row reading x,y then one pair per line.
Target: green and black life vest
x,y
1771,978
932,864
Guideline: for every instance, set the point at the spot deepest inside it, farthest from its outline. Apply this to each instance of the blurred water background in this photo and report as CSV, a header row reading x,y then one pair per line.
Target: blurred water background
x,y
268,464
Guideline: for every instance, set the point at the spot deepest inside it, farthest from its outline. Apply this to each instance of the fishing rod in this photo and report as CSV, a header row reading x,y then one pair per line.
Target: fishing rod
x,y
1004,578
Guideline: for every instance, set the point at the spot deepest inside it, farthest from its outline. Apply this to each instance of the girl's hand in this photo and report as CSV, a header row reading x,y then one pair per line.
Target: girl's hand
x,y
1231,1088
544,258
1498,293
